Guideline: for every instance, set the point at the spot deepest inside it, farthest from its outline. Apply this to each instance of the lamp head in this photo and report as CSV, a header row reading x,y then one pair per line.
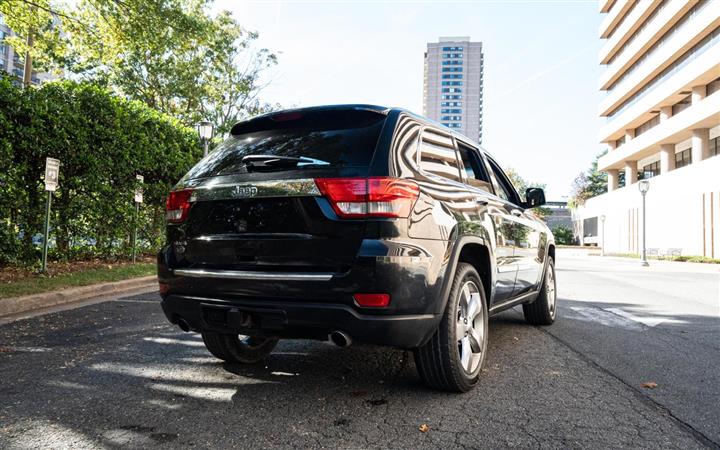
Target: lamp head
x,y
644,186
205,130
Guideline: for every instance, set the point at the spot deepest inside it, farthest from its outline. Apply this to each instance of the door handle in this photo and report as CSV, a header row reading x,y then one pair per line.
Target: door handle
x,y
516,212
481,202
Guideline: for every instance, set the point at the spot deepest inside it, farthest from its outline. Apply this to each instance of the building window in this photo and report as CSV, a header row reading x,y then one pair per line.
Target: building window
x,y
681,105
451,90
451,111
452,49
451,104
715,146
452,62
451,118
451,97
452,69
650,170
647,125
683,158
712,87
619,142
452,83
450,76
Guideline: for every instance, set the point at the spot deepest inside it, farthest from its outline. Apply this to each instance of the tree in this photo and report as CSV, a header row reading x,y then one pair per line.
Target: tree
x,y
172,56
37,38
169,54
588,184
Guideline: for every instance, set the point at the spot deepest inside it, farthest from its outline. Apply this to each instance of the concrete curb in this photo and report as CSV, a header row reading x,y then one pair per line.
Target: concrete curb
x,y
16,305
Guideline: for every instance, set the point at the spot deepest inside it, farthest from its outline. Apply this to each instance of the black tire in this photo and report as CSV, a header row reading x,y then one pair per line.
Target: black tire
x,y
239,349
542,311
439,361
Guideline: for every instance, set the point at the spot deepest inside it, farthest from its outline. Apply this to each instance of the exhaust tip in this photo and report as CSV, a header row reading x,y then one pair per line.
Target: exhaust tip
x,y
182,323
340,338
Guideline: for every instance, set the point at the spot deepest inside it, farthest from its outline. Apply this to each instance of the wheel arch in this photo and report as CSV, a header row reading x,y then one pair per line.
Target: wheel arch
x,y
476,251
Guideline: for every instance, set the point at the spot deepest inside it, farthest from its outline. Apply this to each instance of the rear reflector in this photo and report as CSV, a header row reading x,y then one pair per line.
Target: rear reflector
x,y
372,300
177,206
369,197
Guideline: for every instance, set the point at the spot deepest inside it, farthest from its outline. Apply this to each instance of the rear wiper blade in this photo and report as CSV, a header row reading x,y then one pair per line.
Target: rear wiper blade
x,y
284,161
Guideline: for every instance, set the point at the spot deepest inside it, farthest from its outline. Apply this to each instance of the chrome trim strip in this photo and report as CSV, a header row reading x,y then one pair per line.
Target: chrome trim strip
x,y
247,189
253,275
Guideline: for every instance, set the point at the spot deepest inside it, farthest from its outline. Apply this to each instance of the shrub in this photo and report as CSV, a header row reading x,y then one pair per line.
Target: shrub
x,y
563,235
102,141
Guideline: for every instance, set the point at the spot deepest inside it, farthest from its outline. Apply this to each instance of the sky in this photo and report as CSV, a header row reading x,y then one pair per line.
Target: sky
x,y
541,68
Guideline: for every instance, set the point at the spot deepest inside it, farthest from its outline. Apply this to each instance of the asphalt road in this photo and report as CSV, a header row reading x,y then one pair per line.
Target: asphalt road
x,y
116,375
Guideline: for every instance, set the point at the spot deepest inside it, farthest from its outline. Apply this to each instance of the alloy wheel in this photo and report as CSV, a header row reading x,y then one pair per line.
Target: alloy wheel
x,y
470,327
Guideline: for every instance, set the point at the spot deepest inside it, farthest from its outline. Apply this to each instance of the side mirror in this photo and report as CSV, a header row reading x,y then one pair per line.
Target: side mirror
x,y
534,197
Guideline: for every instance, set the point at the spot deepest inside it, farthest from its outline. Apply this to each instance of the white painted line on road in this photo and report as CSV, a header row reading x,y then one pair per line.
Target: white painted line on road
x,y
599,315
650,321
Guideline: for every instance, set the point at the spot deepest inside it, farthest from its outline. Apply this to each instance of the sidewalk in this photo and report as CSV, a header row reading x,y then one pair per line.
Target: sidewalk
x,y
680,266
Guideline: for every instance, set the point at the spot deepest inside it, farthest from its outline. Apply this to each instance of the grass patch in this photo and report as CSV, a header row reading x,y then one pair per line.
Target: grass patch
x,y
42,283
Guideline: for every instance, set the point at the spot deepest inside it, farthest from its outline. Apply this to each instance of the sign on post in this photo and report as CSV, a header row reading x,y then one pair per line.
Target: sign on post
x,y
138,199
52,174
139,189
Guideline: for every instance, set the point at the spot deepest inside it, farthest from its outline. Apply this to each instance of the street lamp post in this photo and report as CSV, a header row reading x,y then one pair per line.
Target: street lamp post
x,y
602,230
205,130
644,186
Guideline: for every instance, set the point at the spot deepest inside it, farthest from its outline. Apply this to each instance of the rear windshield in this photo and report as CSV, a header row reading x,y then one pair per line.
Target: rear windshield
x,y
339,138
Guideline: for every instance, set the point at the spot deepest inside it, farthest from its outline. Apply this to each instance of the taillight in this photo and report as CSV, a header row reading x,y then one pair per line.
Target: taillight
x,y
369,197
177,206
372,300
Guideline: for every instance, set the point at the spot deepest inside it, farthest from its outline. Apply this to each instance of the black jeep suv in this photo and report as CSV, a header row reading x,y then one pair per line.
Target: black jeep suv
x,y
355,223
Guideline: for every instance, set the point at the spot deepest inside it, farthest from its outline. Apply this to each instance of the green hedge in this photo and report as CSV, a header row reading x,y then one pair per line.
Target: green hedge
x,y
102,141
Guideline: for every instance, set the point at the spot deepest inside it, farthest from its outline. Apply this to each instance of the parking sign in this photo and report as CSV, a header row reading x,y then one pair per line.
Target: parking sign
x,y
52,174
138,189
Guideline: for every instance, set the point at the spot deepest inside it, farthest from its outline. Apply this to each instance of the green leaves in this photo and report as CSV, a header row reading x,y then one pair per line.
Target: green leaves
x,y
588,184
103,141
169,54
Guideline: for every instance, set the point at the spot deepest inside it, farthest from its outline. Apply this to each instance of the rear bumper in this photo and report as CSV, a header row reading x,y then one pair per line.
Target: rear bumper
x,y
304,320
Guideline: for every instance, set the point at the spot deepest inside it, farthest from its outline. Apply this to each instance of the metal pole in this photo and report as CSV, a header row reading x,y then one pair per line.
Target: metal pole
x,y
205,147
644,261
602,249
46,238
134,244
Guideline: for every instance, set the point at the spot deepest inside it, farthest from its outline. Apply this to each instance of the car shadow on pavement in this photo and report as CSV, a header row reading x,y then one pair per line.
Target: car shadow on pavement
x,y
101,377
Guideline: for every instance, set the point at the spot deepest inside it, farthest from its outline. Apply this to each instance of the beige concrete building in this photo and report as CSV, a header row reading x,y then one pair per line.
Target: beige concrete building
x,y
453,85
661,80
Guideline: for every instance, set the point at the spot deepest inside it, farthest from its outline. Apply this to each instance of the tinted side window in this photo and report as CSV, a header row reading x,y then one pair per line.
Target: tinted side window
x,y
475,171
505,189
437,155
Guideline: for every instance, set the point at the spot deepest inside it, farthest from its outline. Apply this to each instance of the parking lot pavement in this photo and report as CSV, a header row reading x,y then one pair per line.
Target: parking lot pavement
x,y
116,374
656,324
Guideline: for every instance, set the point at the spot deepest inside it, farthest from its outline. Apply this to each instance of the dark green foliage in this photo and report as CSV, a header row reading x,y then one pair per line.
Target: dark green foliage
x,y
102,141
563,235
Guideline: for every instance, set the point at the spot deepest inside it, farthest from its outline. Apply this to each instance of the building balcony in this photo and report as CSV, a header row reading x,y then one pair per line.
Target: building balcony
x,y
701,69
663,56
605,5
623,31
665,16
703,114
